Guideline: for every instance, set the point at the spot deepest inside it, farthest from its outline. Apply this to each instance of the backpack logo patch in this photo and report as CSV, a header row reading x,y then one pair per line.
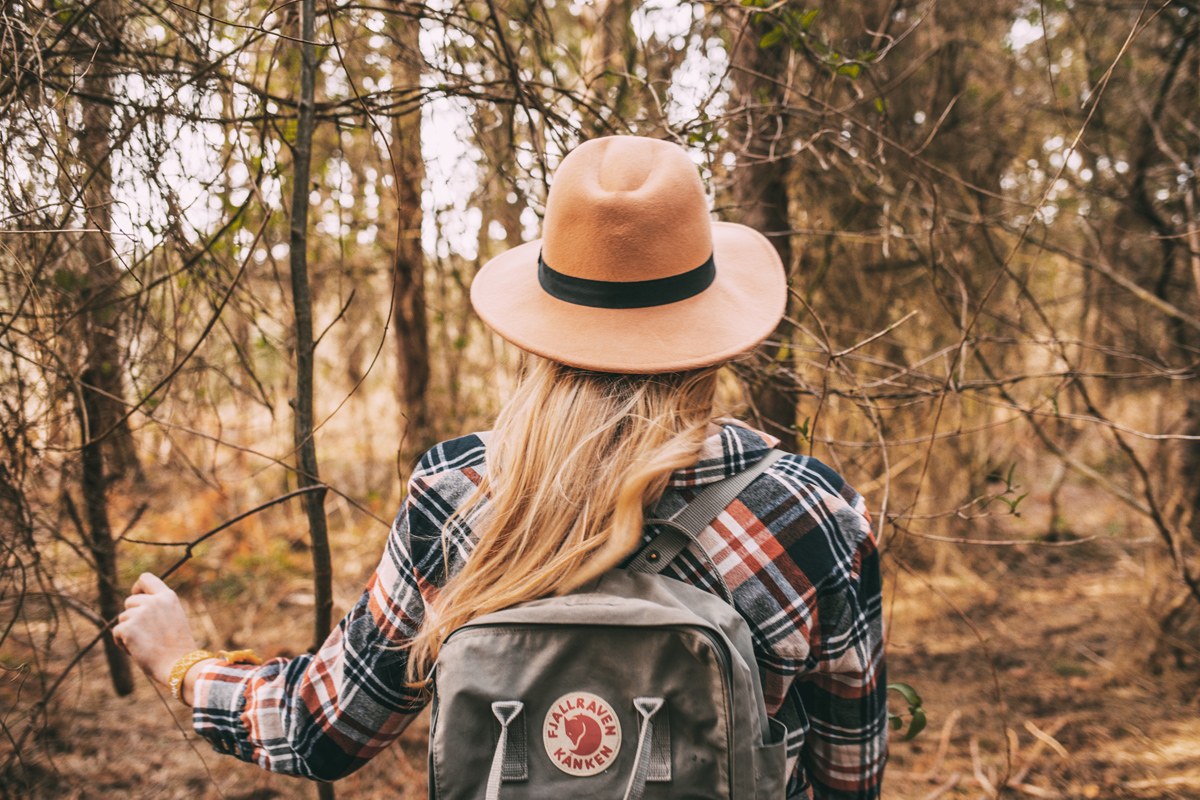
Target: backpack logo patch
x,y
581,734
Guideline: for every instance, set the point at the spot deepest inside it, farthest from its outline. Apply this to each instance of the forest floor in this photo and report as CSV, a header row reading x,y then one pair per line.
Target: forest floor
x,y
1048,686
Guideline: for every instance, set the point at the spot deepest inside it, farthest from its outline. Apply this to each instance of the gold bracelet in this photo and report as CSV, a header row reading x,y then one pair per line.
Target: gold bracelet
x,y
180,670
239,657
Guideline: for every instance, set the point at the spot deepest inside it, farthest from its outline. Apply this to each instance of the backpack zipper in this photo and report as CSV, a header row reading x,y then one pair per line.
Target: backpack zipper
x,y
718,645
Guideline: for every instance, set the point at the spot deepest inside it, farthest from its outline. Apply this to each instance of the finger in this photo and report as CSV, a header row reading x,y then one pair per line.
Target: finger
x,y
140,600
120,639
148,583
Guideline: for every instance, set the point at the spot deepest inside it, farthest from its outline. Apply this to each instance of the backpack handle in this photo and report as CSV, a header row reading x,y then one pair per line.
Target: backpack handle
x,y
687,525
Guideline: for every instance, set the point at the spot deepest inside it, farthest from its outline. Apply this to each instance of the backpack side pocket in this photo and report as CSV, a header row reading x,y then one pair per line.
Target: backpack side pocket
x,y
770,763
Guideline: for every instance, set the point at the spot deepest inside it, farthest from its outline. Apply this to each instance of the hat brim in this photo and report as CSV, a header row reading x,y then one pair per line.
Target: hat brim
x,y
741,308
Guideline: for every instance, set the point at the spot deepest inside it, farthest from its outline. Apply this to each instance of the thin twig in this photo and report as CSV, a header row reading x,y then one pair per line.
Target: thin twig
x,y
40,706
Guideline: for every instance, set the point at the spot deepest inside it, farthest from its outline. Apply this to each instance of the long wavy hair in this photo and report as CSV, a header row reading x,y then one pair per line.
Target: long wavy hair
x,y
575,460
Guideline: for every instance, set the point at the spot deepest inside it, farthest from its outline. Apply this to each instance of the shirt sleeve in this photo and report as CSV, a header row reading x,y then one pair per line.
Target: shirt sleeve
x,y
843,690
323,716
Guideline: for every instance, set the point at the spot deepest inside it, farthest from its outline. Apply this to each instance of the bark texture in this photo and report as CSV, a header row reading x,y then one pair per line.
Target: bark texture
x,y
608,55
760,139
408,264
107,449
307,473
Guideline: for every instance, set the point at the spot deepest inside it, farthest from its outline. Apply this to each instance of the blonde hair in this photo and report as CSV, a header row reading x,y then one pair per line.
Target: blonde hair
x,y
575,460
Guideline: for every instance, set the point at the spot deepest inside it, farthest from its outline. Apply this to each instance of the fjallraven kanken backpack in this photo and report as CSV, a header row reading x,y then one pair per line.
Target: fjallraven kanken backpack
x,y
635,686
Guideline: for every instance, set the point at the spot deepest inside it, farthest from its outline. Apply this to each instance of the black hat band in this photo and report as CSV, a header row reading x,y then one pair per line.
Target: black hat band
x,y
626,294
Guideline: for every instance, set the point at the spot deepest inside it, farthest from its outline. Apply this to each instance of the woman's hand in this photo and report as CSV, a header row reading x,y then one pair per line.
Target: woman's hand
x,y
153,628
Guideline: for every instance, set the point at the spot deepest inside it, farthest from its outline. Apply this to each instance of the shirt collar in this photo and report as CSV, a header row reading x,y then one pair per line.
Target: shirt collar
x,y
724,453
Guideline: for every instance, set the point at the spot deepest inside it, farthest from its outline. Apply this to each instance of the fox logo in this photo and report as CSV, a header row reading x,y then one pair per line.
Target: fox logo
x,y
582,734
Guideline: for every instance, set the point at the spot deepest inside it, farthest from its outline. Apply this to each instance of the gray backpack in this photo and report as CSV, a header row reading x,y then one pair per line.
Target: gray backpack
x,y
635,686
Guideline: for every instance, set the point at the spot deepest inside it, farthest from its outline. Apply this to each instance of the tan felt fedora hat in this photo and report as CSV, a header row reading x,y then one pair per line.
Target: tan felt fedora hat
x,y
630,274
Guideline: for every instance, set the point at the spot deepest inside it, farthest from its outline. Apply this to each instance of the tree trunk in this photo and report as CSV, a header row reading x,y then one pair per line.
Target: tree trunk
x,y
107,448
408,265
1191,465
759,185
302,406
102,547
608,55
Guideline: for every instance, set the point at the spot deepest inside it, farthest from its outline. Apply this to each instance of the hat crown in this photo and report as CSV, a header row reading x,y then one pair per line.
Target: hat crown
x,y
626,208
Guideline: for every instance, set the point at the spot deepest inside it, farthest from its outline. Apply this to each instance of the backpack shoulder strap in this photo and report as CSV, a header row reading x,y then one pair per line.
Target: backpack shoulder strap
x,y
682,529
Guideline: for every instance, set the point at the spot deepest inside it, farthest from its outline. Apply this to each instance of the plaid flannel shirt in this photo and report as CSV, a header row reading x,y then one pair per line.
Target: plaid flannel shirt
x,y
795,549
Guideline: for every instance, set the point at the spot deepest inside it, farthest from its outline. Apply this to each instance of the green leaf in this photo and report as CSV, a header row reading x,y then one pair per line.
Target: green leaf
x,y
916,726
1012,504
849,70
773,37
908,693
879,106
66,280
918,720
806,22
1069,669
